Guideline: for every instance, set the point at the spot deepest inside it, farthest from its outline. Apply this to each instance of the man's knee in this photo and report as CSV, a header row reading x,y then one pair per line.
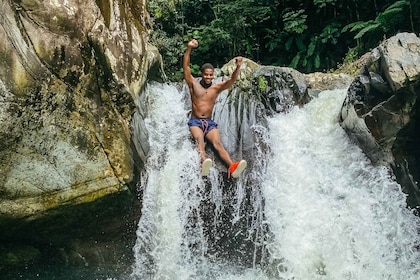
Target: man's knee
x,y
218,145
199,140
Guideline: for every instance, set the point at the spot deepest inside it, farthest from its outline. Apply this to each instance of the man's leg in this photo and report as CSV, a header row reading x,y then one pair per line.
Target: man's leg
x,y
214,137
206,163
234,168
198,136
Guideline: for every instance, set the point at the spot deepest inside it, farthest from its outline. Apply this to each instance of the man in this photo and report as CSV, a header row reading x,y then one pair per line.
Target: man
x,y
203,97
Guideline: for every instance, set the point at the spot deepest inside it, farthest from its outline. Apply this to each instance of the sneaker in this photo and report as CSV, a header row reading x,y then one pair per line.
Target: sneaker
x,y
205,167
236,168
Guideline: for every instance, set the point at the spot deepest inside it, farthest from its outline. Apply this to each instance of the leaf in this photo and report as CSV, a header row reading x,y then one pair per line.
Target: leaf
x,y
399,4
295,21
295,61
317,61
289,43
312,45
305,62
299,42
351,25
367,29
361,25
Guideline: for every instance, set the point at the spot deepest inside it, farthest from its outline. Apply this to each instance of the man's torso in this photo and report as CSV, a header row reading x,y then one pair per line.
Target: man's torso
x,y
203,100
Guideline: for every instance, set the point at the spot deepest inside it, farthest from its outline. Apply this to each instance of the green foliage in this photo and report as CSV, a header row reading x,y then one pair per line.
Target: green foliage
x,y
195,69
383,23
351,56
309,54
306,35
295,21
262,87
323,3
262,83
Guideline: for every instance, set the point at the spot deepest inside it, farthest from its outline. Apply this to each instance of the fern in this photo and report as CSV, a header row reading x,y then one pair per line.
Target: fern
x,y
389,18
352,26
362,25
399,4
393,13
367,29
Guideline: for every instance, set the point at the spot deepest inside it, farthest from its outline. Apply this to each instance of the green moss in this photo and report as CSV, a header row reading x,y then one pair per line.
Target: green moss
x,y
261,87
262,83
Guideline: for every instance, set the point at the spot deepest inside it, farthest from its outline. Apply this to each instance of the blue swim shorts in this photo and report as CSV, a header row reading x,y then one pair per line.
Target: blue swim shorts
x,y
206,125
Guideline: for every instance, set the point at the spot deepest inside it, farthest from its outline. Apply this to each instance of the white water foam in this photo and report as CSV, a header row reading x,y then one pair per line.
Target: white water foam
x,y
331,213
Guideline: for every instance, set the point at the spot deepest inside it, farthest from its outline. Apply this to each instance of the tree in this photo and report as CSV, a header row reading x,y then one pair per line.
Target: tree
x,y
309,35
386,23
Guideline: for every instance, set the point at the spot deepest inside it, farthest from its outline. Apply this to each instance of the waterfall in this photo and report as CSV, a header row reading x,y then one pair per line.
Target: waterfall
x,y
309,206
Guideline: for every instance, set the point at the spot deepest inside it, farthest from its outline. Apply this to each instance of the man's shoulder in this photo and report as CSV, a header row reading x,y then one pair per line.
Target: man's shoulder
x,y
218,86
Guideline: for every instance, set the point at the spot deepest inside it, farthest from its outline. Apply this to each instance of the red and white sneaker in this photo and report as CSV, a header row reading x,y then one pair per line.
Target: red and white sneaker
x,y
205,167
236,168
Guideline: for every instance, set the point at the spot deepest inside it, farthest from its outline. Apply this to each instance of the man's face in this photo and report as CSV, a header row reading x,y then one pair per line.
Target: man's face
x,y
207,75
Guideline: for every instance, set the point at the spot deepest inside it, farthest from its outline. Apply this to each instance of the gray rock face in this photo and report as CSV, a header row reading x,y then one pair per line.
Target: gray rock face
x,y
69,72
280,88
381,111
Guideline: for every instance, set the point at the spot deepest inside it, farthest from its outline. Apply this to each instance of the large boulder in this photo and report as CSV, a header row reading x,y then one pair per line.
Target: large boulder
x,y
69,74
280,88
381,110
319,81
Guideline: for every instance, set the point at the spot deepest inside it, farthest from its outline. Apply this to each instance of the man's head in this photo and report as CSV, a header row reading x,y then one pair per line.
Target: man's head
x,y
206,66
207,73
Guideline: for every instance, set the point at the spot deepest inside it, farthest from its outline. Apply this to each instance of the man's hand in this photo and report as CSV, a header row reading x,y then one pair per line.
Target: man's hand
x,y
238,61
193,43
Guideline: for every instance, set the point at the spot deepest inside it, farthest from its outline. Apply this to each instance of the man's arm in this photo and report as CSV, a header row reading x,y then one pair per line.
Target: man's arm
x,y
186,62
229,82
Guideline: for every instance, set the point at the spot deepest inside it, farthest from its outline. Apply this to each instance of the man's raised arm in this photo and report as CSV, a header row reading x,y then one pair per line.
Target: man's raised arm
x,y
186,62
229,82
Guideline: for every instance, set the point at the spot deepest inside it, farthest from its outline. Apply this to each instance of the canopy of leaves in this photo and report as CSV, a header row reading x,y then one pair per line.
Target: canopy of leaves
x,y
314,35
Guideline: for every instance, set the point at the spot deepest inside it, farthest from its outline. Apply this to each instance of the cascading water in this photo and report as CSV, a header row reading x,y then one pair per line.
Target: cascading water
x,y
333,215
316,209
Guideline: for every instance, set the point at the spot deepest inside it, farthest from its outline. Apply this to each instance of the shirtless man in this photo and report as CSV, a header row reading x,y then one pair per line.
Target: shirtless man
x,y
203,97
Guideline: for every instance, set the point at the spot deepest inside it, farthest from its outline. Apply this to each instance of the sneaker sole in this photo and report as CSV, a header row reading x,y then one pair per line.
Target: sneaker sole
x,y
205,167
241,166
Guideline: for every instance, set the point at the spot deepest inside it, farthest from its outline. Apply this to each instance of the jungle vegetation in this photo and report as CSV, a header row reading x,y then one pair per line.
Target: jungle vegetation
x,y
308,35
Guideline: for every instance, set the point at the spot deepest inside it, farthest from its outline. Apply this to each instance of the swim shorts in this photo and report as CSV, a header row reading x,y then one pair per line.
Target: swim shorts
x,y
206,125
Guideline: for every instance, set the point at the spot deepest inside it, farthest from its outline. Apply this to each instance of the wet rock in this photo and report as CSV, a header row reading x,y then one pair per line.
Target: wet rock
x,y
69,74
280,88
381,110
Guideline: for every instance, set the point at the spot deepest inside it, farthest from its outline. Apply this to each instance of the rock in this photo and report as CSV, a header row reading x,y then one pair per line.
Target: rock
x,y
245,76
68,92
280,88
69,74
381,109
327,81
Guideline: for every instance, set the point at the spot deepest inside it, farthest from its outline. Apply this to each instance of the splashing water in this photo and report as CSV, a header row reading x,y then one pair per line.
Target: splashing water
x,y
334,215
331,214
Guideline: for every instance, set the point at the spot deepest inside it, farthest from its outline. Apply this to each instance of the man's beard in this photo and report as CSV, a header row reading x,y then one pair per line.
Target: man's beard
x,y
204,85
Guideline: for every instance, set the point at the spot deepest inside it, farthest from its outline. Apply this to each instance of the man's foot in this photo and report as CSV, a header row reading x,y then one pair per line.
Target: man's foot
x,y
205,167
236,168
